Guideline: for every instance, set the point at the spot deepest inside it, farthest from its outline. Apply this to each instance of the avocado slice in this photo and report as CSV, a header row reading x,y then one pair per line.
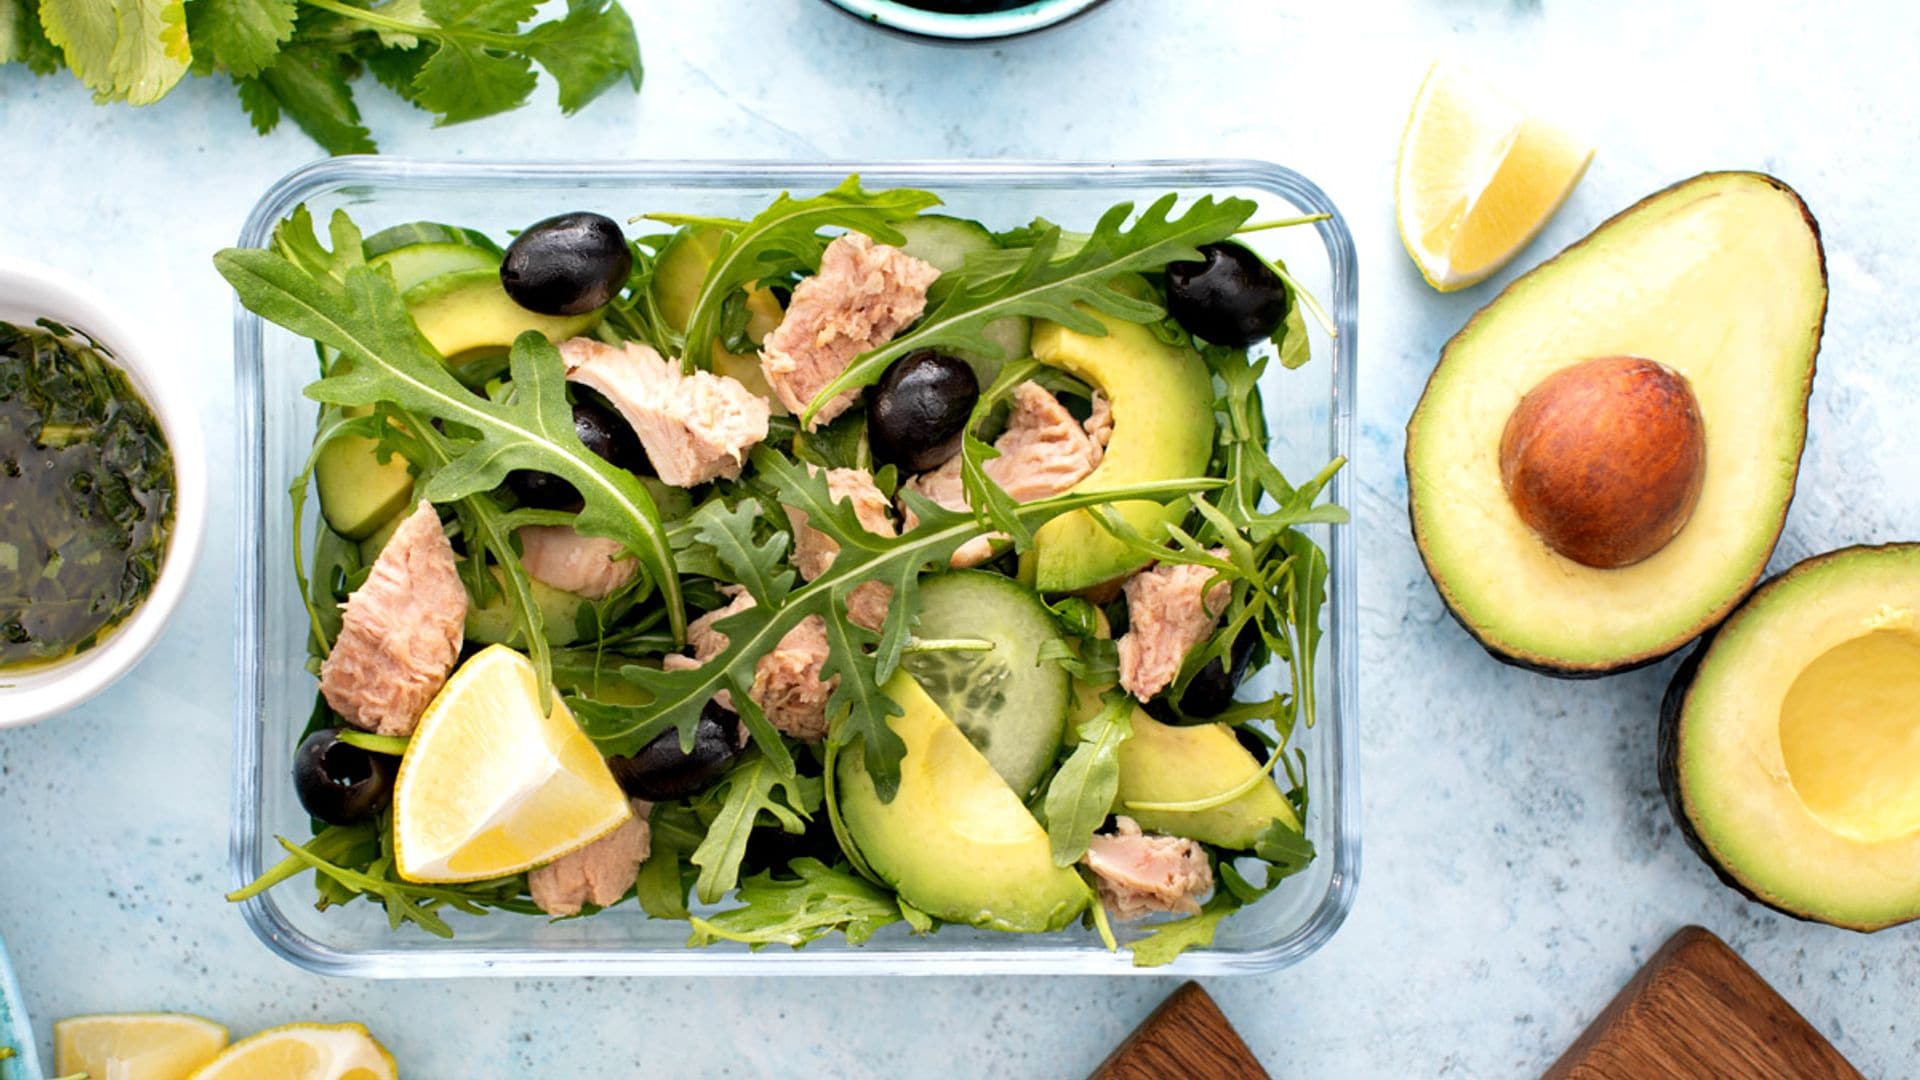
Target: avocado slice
x,y
359,493
467,313
1162,399
1787,741
955,841
675,289
1161,763
492,623
1721,279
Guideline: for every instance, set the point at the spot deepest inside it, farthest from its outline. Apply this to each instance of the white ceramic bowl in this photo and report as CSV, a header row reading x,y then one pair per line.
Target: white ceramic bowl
x,y
29,291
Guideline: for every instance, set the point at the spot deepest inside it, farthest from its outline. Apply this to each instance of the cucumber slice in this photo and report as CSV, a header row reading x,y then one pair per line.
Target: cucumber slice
x,y
944,242
416,263
1011,704
427,232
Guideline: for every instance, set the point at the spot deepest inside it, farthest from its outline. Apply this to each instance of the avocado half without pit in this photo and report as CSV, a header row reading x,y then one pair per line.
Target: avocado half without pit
x,y
1602,459
1790,741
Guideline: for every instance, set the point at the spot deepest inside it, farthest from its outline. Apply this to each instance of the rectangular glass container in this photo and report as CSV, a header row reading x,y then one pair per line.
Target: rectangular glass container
x,y
1310,413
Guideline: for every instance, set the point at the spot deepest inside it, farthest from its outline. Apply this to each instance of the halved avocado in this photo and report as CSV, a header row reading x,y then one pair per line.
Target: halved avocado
x,y
1721,279
1162,398
955,841
1166,764
467,312
1790,741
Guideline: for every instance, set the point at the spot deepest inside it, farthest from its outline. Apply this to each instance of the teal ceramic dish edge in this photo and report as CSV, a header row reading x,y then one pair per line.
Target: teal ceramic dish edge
x,y
15,1031
962,27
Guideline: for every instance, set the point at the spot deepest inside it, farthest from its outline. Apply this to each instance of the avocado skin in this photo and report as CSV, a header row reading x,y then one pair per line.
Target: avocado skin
x,y
1713,619
1667,752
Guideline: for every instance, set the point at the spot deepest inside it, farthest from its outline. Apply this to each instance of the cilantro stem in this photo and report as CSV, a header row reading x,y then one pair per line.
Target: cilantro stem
x,y
1282,223
415,29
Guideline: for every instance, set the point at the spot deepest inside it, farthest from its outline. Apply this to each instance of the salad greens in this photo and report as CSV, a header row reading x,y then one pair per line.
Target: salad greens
x,y
457,59
761,853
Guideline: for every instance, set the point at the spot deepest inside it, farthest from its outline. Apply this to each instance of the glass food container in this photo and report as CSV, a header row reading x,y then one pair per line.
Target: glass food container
x,y
1310,412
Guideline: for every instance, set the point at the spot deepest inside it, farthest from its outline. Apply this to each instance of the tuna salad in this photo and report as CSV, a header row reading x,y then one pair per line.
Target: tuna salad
x,y
844,568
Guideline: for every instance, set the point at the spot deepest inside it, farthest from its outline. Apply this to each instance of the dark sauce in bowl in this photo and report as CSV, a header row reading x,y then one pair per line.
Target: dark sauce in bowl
x,y
86,495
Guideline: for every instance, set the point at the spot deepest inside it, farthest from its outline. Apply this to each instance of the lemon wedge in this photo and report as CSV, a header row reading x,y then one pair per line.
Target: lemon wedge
x,y
1478,178
491,786
136,1046
304,1052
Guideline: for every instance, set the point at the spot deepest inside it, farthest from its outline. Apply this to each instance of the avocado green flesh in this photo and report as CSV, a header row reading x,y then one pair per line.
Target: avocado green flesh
x,y
1162,400
955,841
468,311
1161,763
359,493
492,623
1720,278
1795,741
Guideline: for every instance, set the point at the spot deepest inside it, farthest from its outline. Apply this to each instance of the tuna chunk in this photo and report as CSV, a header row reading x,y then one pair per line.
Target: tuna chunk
x,y
1139,874
694,427
864,294
401,631
786,681
1166,617
598,874
592,566
814,551
1043,452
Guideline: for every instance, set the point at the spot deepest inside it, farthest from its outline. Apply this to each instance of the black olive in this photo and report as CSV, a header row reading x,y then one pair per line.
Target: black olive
x,y
918,410
340,783
1210,693
567,265
1232,299
661,770
606,433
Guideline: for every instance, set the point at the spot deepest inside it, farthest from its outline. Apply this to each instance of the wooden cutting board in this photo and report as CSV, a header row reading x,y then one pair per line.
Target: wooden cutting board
x,y
1186,1037
1697,1010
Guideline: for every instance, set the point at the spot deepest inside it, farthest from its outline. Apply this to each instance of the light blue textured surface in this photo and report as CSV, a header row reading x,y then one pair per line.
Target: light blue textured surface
x,y
1519,863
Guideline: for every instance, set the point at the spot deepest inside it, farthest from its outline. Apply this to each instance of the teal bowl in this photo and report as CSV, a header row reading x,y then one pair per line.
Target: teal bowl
x,y
965,20
15,1032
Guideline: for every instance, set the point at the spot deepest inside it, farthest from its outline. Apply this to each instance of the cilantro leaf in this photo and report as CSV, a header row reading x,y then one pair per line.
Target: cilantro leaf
x,y
309,84
793,911
1043,282
492,15
123,50
464,82
753,788
588,52
1082,792
784,237
243,36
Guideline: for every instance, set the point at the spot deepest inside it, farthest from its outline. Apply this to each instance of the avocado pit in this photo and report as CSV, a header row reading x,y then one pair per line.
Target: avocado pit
x,y
1604,459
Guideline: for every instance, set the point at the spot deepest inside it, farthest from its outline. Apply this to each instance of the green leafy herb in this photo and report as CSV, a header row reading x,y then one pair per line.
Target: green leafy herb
x,y
457,59
1082,792
662,883
783,238
334,298
793,911
752,789
1046,283
1167,940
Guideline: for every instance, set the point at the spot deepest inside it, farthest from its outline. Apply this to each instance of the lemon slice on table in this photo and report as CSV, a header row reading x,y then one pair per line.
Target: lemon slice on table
x,y
304,1052
1478,177
491,786
135,1046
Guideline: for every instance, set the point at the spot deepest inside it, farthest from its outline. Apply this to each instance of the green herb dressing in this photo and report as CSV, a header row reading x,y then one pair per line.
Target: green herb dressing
x,y
86,495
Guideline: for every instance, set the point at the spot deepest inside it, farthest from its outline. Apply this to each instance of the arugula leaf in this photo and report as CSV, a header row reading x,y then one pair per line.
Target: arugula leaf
x,y
123,50
588,52
1082,792
242,36
1286,850
1167,940
783,238
1291,338
989,500
1044,286
753,788
335,299
661,886
758,566
794,911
